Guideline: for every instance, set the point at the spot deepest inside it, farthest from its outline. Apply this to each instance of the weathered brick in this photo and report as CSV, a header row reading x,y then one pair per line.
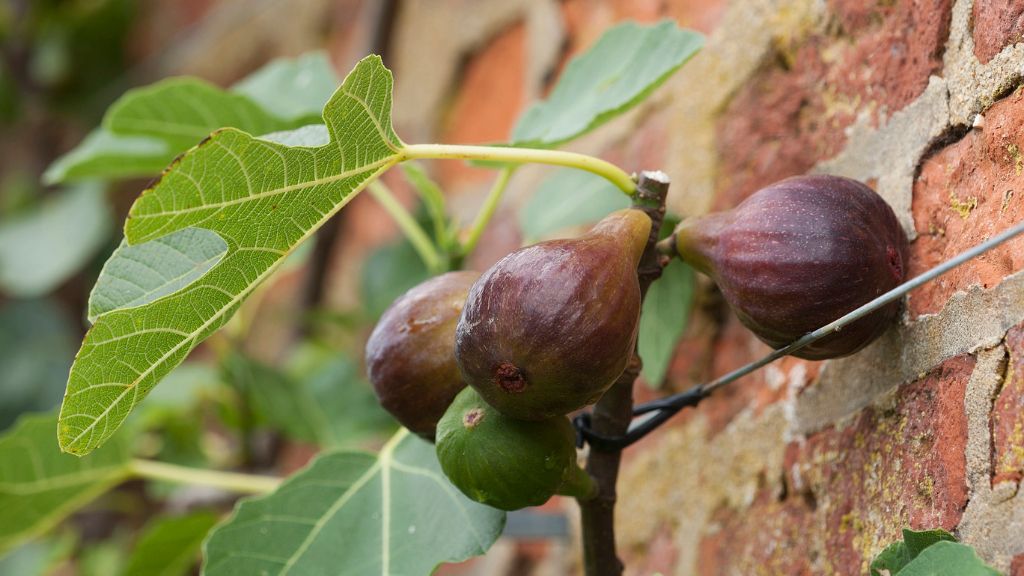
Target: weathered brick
x,y
1017,566
850,490
875,60
1008,415
997,23
965,194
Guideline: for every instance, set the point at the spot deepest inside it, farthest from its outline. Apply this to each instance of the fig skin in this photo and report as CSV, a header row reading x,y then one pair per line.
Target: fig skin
x,y
549,328
508,463
799,254
410,356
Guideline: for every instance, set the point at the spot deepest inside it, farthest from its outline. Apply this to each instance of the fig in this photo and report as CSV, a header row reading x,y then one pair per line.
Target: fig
x,y
549,328
799,254
508,463
410,356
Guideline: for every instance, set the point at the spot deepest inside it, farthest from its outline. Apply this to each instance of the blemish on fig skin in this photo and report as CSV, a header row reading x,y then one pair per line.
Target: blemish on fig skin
x,y
472,418
895,262
510,378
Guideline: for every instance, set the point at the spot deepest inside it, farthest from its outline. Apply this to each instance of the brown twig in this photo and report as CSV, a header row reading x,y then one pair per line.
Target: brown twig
x,y
614,411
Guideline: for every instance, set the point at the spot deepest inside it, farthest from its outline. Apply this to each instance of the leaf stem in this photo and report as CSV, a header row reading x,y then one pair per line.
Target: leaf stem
x,y
523,155
412,230
487,210
233,481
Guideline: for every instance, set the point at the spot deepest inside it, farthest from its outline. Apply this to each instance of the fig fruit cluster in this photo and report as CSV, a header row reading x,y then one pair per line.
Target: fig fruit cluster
x,y
799,254
491,364
542,333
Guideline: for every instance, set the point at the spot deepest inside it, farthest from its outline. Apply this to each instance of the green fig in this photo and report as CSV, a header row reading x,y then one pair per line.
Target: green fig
x,y
410,356
508,463
799,254
549,328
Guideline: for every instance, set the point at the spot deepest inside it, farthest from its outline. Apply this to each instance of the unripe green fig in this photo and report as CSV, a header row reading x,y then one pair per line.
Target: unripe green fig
x,y
508,463
799,254
549,328
410,356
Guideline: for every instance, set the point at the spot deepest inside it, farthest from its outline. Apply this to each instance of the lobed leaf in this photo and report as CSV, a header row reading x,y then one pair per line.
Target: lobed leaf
x,y
182,111
352,513
625,65
147,127
106,155
262,199
39,486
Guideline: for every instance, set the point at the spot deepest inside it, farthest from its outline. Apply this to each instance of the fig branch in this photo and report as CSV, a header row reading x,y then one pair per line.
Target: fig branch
x,y
614,411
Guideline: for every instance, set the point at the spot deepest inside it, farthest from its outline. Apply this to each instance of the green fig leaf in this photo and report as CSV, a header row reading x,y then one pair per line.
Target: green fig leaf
x,y
899,554
103,154
170,546
947,558
182,111
263,199
663,320
353,513
140,274
622,68
39,486
566,199
42,249
147,127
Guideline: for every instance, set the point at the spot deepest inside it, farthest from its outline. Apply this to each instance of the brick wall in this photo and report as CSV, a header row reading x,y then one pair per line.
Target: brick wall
x,y
803,468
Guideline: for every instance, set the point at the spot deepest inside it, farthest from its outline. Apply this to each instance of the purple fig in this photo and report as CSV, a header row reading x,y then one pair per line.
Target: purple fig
x,y
799,254
410,356
550,327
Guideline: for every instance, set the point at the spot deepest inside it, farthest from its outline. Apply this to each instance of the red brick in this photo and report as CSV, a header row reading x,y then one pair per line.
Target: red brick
x,y
997,23
849,491
966,193
772,537
487,102
734,347
1008,415
877,59
1017,565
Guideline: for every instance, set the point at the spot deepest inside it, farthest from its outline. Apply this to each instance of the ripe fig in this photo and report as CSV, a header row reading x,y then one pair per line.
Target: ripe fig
x,y
508,463
799,254
410,356
550,327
